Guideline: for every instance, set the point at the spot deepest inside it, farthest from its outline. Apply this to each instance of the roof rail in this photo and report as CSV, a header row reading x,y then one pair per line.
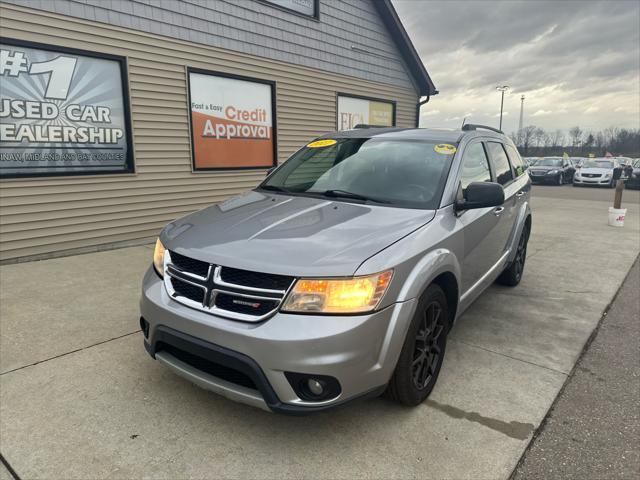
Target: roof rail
x,y
472,126
365,125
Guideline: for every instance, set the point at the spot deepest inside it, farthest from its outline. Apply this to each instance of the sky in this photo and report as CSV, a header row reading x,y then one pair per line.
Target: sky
x,y
576,62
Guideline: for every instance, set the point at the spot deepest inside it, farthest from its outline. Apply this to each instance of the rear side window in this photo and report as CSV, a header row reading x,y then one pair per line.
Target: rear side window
x,y
500,162
475,165
516,160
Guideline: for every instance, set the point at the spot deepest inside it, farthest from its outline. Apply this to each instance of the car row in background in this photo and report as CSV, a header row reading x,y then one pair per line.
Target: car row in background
x,y
582,171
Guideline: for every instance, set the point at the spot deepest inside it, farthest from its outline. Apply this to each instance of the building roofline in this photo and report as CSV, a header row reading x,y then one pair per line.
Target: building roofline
x,y
392,21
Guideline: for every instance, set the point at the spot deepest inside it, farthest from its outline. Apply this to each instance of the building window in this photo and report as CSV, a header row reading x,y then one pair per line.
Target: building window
x,y
62,112
355,110
232,121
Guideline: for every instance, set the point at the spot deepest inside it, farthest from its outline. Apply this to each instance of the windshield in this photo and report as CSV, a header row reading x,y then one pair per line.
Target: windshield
x,y
549,162
406,173
597,163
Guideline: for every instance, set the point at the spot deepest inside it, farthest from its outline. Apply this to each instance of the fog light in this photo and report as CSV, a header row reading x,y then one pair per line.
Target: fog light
x,y
315,386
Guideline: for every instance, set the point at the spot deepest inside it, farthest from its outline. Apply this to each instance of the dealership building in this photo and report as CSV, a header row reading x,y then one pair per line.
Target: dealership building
x,y
117,116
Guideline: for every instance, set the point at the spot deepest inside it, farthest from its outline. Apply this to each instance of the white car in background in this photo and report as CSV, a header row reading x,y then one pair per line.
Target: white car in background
x,y
596,171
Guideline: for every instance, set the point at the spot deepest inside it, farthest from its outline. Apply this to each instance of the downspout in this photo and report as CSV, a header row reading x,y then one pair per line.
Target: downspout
x,y
418,105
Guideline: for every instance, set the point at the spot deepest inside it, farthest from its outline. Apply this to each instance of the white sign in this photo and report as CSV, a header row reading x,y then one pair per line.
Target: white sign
x,y
354,111
305,7
231,122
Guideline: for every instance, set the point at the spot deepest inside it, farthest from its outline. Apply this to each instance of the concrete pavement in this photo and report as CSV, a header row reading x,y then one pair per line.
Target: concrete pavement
x,y
80,398
593,429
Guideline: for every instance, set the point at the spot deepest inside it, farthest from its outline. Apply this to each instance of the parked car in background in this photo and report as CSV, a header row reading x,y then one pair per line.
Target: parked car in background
x,y
633,180
596,171
555,170
342,273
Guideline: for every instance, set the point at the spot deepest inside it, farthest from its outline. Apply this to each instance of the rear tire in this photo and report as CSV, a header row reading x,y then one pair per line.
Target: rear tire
x,y
513,273
423,351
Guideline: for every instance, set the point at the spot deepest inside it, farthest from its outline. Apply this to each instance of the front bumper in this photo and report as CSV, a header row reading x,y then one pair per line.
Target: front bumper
x,y
360,351
544,178
592,181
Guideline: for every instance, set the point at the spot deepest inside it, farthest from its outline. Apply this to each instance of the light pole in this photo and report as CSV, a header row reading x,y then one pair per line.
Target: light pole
x,y
502,88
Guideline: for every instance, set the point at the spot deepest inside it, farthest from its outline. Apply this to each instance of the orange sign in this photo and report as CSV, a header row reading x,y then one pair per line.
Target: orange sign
x,y
231,122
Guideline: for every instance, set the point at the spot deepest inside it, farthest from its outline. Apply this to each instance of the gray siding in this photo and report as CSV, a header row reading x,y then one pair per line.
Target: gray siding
x,y
349,39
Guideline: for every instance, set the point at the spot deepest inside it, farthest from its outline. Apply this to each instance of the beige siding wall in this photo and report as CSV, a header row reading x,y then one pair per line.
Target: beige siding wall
x,y
52,215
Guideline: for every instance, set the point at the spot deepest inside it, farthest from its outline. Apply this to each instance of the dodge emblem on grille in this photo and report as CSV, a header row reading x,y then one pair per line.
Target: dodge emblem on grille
x,y
248,304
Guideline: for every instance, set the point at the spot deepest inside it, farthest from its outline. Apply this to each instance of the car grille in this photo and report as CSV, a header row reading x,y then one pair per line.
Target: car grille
x,y
591,175
224,291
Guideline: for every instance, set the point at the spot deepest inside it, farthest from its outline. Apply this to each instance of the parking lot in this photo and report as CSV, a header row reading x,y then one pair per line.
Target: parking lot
x,y
80,397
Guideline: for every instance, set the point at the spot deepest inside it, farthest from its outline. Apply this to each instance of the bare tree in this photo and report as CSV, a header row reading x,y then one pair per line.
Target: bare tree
x,y
557,138
575,134
527,136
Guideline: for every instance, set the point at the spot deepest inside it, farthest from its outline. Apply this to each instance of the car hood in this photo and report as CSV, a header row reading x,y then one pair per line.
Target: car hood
x,y
290,235
597,170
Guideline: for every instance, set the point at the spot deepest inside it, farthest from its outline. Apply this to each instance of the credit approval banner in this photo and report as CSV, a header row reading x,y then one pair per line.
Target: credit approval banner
x,y
354,111
62,112
231,122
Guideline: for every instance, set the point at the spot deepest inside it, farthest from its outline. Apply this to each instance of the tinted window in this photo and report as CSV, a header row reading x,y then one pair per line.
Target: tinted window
x,y
397,172
500,162
475,165
516,160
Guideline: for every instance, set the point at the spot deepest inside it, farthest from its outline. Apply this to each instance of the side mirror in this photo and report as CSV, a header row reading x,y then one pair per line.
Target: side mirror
x,y
481,195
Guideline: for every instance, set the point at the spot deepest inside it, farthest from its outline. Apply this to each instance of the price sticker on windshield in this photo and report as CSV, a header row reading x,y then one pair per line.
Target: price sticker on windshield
x,y
445,149
322,143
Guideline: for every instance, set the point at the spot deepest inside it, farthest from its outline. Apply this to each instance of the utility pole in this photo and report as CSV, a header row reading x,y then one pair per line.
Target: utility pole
x,y
521,114
502,88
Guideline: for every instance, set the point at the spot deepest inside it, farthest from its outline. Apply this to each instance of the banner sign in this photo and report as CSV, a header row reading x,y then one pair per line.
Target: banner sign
x,y
354,111
304,7
232,122
62,112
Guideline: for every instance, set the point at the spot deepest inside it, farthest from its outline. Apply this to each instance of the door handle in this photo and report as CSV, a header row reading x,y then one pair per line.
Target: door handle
x,y
520,194
498,211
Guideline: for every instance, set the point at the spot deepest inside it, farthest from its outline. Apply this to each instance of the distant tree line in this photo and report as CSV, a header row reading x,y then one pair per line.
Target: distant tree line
x,y
534,141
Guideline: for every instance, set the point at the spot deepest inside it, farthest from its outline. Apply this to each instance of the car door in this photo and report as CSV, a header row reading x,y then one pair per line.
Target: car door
x,y
505,176
479,226
568,169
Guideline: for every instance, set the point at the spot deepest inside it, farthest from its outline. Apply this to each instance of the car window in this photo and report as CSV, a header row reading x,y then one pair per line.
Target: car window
x,y
516,160
397,172
500,162
475,165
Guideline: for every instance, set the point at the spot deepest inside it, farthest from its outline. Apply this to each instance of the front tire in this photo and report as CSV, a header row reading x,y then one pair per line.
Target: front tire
x,y
513,273
423,351
560,180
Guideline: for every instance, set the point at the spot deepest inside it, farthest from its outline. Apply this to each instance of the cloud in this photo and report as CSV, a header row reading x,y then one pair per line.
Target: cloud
x,y
430,113
555,53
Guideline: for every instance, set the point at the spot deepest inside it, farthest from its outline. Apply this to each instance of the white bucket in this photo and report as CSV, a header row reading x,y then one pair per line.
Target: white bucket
x,y
616,216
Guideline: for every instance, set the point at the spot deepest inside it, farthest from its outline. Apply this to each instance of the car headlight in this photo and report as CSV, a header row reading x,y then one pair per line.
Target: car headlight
x,y
327,295
607,175
158,258
553,172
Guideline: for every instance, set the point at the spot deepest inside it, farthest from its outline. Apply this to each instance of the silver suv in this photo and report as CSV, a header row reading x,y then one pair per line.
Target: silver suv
x,y
341,274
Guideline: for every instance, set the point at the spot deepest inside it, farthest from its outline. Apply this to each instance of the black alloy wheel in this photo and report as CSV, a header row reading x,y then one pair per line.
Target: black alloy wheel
x,y
513,273
429,346
423,350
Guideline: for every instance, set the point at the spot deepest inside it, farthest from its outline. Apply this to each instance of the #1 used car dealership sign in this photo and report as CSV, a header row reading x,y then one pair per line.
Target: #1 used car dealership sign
x,y
62,111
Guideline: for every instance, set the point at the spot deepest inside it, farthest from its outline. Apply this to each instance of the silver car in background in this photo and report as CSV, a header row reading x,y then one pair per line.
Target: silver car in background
x,y
596,171
341,274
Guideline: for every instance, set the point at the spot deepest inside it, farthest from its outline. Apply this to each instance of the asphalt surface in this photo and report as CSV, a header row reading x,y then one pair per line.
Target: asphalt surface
x,y
593,428
600,194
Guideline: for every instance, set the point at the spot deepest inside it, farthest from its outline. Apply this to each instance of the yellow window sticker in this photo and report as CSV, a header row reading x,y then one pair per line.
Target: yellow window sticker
x,y
322,143
445,149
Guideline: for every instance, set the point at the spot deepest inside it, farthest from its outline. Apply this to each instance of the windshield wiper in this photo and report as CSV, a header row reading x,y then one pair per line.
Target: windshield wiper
x,y
274,188
355,196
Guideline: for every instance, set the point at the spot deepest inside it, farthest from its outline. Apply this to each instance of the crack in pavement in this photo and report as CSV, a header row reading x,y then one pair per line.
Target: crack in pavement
x,y
70,352
513,429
